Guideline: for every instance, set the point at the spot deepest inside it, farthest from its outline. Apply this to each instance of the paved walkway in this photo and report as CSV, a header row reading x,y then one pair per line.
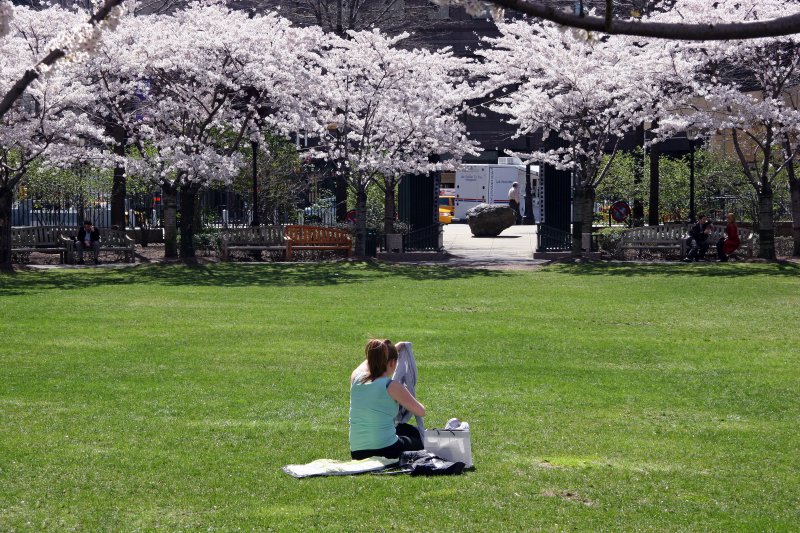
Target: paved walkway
x,y
512,248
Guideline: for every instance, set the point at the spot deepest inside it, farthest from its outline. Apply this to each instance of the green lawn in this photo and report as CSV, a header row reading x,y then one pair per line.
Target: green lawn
x,y
601,397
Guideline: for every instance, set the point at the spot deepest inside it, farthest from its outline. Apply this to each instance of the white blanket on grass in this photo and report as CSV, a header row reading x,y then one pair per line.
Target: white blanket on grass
x,y
332,467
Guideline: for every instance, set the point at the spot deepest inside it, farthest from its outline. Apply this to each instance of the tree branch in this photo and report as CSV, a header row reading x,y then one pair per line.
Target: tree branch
x,y
743,160
678,32
16,90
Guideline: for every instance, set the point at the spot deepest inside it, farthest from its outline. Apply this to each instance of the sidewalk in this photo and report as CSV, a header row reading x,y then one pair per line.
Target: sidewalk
x,y
512,248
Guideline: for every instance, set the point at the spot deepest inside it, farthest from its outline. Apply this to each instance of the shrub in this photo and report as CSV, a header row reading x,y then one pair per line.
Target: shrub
x,y
608,239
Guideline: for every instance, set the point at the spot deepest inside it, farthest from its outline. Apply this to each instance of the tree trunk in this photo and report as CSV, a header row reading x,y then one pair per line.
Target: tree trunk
x,y
794,191
198,211
188,221
118,187
341,198
361,222
637,215
582,217
766,227
6,200
655,178
389,208
169,199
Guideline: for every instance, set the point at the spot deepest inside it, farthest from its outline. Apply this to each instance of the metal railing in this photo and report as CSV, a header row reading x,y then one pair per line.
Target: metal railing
x,y
27,213
427,239
550,239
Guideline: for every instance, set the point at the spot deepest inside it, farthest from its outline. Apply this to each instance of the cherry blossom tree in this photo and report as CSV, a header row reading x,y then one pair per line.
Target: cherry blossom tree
x,y
43,122
589,90
72,45
205,87
117,93
382,112
747,88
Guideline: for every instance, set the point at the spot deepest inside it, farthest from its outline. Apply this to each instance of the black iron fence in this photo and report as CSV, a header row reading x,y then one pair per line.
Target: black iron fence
x,y
550,239
32,213
216,209
427,239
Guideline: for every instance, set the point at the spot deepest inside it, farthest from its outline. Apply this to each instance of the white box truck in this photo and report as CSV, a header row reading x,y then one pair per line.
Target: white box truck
x,y
489,184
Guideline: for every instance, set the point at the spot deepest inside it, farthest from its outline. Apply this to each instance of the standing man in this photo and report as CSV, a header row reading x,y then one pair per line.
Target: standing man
x,y
88,239
513,201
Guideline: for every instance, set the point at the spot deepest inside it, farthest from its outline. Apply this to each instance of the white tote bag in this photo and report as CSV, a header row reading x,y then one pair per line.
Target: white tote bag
x,y
451,444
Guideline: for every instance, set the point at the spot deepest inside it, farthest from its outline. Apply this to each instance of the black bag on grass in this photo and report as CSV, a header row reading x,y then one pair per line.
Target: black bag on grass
x,y
424,463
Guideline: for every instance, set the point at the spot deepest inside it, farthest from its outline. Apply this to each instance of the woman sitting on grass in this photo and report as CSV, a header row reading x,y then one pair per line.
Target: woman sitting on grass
x,y
374,400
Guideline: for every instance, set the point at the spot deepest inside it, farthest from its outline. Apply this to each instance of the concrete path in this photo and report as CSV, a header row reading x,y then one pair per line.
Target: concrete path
x,y
513,247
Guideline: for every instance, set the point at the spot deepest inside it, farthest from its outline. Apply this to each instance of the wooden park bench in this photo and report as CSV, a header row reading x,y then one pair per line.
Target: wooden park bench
x,y
111,240
255,239
747,238
661,238
40,239
316,238
673,237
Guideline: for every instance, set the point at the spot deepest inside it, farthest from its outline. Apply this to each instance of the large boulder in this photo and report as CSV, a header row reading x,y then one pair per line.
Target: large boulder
x,y
488,220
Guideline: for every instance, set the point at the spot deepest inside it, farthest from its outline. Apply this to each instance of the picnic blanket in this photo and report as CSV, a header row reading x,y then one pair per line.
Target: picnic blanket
x,y
332,467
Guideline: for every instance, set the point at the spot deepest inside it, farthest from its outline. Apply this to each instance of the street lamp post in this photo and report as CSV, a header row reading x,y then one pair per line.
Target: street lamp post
x,y
692,215
254,146
528,219
691,183
81,206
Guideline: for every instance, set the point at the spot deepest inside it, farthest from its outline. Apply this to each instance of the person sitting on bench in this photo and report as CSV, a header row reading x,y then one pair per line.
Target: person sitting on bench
x,y
731,242
88,239
698,239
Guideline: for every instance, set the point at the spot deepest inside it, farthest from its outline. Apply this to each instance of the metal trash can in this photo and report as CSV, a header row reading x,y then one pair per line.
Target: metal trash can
x,y
371,246
394,243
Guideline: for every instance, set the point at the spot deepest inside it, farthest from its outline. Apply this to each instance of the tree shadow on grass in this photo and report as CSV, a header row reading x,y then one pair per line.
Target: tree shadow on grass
x,y
687,270
231,275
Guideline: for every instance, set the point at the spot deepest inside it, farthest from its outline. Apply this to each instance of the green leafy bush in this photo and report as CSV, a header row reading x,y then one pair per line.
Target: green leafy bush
x,y
608,239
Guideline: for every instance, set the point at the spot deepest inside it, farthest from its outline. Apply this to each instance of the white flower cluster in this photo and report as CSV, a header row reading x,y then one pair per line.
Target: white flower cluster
x,y
588,91
6,15
187,89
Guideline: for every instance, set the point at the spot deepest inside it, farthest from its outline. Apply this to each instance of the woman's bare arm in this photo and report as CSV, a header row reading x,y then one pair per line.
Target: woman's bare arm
x,y
400,394
361,369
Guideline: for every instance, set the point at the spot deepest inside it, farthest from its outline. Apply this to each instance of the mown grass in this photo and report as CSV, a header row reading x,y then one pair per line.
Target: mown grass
x,y
601,397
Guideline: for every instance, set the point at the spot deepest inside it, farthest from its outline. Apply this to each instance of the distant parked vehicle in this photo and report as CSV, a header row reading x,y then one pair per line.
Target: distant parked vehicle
x,y
489,184
447,205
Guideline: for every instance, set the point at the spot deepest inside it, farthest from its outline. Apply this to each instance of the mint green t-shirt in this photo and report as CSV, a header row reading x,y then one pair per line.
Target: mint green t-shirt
x,y
372,413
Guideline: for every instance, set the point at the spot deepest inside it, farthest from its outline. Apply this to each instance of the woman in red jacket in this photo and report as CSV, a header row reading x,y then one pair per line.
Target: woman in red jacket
x,y
731,242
